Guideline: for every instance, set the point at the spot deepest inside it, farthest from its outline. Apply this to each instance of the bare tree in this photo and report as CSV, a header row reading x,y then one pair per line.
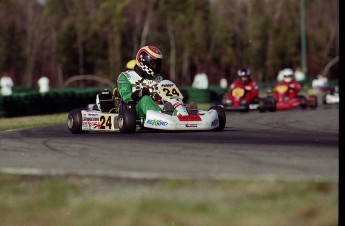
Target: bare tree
x,y
33,27
172,71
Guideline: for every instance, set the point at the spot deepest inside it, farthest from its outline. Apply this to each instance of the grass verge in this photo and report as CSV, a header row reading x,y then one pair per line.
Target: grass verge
x,y
32,121
109,201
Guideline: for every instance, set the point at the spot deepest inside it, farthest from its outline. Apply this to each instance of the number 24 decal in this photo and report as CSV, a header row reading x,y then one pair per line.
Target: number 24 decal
x,y
105,122
171,92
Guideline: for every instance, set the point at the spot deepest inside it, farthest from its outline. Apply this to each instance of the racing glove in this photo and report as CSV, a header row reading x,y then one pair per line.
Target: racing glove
x,y
248,89
138,94
157,98
292,86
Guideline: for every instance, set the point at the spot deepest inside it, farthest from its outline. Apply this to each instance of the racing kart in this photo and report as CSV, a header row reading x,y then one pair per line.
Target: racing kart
x,y
235,101
331,96
113,114
284,102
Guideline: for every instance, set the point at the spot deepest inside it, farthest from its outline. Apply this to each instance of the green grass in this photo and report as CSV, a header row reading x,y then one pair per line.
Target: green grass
x,y
100,201
89,201
32,121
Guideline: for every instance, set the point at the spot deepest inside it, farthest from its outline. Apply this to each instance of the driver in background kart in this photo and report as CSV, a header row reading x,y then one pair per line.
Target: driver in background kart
x,y
137,85
294,87
246,82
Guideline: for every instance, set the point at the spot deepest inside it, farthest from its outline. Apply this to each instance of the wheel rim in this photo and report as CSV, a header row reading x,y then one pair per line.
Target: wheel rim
x,y
70,122
120,121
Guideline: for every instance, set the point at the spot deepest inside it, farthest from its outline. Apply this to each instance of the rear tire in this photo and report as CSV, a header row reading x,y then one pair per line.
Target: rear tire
x,y
75,122
313,102
127,118
221,117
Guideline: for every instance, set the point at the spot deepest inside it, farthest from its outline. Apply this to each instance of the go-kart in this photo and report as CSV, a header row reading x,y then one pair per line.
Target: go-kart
x,y
331,96
284,102
328,95
235,100
113,114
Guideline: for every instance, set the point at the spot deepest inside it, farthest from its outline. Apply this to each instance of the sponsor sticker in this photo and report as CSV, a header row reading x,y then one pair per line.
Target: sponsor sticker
x,y
155,122
127,75
90,119
177,104
92,114
185,118
167,85
154,49
121,82
88,125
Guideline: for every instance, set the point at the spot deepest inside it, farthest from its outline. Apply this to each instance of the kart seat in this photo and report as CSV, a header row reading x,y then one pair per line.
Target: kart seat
x,y
106,102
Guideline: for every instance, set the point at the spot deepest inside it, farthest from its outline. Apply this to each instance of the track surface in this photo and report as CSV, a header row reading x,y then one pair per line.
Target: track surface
x,y
289,145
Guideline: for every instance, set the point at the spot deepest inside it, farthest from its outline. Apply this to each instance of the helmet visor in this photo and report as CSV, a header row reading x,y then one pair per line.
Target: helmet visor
x,y
244,79
243,72
155,65
288,78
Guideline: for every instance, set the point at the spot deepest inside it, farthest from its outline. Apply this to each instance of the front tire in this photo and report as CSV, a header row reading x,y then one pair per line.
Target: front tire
x,y
75,121
221,117
304,103
262,105
271,104
127,118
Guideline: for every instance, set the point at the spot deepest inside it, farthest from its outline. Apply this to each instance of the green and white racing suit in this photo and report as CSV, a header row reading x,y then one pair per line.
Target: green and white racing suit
x,y
129,81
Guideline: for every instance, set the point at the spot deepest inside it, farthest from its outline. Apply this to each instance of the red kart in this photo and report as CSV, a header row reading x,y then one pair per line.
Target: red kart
x,y
284,102
235,100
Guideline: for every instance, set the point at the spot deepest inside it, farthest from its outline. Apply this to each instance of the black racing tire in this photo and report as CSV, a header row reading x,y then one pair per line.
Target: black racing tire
x,y
75,122
313,102
262,105
245,109
127,118
271,104
324,99
221,117
304,103
245,106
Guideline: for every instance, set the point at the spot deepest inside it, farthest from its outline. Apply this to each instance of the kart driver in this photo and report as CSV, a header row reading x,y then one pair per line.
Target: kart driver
x,y
138,84
245,82
288,80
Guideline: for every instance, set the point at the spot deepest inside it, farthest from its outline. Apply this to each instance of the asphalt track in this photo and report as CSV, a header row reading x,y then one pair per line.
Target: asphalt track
x,y
287,145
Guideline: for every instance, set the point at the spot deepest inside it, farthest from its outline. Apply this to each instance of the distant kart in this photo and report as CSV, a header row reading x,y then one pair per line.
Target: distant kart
x,y
236,101
281,95
331,96
116,115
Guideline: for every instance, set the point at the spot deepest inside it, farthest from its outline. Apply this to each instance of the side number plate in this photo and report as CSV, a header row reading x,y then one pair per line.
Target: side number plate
x,y
106,122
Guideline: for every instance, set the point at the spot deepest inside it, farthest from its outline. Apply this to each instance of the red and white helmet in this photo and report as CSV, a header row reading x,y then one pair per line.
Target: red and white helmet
x,y
149,59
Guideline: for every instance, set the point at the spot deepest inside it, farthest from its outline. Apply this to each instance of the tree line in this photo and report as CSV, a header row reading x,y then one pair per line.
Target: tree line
x,y
63,38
